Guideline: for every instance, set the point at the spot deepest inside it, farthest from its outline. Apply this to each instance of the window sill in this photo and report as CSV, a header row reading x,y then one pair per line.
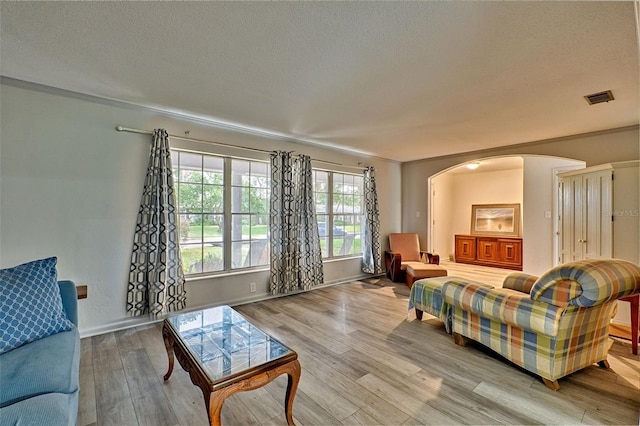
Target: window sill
x,y
338,259
223,274
256,270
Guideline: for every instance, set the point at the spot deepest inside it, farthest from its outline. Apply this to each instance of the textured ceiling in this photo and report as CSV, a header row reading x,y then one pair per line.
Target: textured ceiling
x,y
400,80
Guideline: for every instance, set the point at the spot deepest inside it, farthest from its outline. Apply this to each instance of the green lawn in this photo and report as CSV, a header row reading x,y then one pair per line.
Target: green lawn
x,y
214,254
195,231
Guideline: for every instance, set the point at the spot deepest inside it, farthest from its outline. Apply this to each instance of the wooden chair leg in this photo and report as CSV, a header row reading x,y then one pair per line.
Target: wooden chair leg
x,y
635,307
459,339
604,364
551,384
409,280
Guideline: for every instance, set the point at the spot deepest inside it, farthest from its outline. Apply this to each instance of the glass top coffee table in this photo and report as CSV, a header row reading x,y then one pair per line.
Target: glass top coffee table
x,y
224,354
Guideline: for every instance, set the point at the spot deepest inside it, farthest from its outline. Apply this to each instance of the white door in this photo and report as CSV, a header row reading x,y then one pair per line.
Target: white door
x,y
596,227
585,216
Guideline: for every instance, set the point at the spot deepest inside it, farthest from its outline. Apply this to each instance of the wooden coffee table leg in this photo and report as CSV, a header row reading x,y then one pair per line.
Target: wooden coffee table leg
x,y
168,344
215,400
214,407
292,387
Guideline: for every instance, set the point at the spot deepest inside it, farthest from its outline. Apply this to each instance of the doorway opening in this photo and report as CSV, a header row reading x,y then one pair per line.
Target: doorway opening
x,y
528,180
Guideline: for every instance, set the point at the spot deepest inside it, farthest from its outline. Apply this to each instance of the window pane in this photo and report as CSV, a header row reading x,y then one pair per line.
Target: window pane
x,y
338,202
213,258
190,167
259,199
258,253
240,227
352,224
213,172
259,174
258,227
238,199
324,246
184,226
239,173
239,251
348,180
322,200
212,199
337,183
190,197
338,242
322,225
213,228
195,228
191,258
263,220
321,181
174,164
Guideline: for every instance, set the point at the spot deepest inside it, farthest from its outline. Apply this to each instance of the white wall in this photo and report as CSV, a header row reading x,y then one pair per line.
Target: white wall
x,y
538,230
463,190
500,187
442,209
70,186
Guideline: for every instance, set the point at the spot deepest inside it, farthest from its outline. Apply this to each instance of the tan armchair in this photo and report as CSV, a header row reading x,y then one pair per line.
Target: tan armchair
x,y
403,249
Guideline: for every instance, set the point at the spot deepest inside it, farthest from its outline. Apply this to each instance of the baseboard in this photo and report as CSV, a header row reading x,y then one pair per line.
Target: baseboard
x,y
140,321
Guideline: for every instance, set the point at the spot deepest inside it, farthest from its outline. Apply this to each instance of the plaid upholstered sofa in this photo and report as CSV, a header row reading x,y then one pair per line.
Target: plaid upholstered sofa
x,y
553,325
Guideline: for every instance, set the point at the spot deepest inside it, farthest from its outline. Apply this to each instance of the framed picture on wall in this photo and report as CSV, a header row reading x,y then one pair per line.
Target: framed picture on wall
x,y
495,219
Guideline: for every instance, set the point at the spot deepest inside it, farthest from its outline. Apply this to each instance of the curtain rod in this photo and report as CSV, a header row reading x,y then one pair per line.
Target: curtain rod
x,y
148,132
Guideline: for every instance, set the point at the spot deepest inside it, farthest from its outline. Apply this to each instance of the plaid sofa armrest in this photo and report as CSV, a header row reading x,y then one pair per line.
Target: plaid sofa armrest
x,y
586,283
519,281
504,306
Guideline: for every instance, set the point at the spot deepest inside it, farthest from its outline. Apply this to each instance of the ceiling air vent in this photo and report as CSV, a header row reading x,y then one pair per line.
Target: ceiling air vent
x,y
600,97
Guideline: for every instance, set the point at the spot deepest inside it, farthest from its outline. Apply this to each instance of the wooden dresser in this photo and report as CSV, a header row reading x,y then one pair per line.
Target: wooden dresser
x,y
499,252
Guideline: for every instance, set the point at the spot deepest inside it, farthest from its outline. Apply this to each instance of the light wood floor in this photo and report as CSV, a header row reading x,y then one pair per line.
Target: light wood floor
x,y
365,361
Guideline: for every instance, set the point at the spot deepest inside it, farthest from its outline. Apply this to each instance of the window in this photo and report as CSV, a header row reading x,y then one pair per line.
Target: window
x,y
250,188
339,201
223,212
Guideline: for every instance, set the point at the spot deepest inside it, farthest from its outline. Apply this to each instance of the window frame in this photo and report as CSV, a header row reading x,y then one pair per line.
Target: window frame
x,y
331,214
227,213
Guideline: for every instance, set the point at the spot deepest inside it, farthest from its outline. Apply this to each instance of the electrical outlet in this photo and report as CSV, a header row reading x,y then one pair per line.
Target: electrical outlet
x,y
252,287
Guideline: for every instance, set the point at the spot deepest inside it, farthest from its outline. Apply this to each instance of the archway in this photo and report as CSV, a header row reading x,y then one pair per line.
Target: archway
x,y
529,180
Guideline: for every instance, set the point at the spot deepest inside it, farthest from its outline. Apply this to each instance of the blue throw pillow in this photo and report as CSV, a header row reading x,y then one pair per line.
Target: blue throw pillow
x,y
30,304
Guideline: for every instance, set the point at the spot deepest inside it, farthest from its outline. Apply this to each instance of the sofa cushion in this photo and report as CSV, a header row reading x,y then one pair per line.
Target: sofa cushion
x,y
30,304
47,365
49,409
519,281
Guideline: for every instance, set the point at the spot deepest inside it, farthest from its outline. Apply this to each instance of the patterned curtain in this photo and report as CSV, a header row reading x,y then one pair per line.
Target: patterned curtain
x,y
156,279
371,251
296,259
